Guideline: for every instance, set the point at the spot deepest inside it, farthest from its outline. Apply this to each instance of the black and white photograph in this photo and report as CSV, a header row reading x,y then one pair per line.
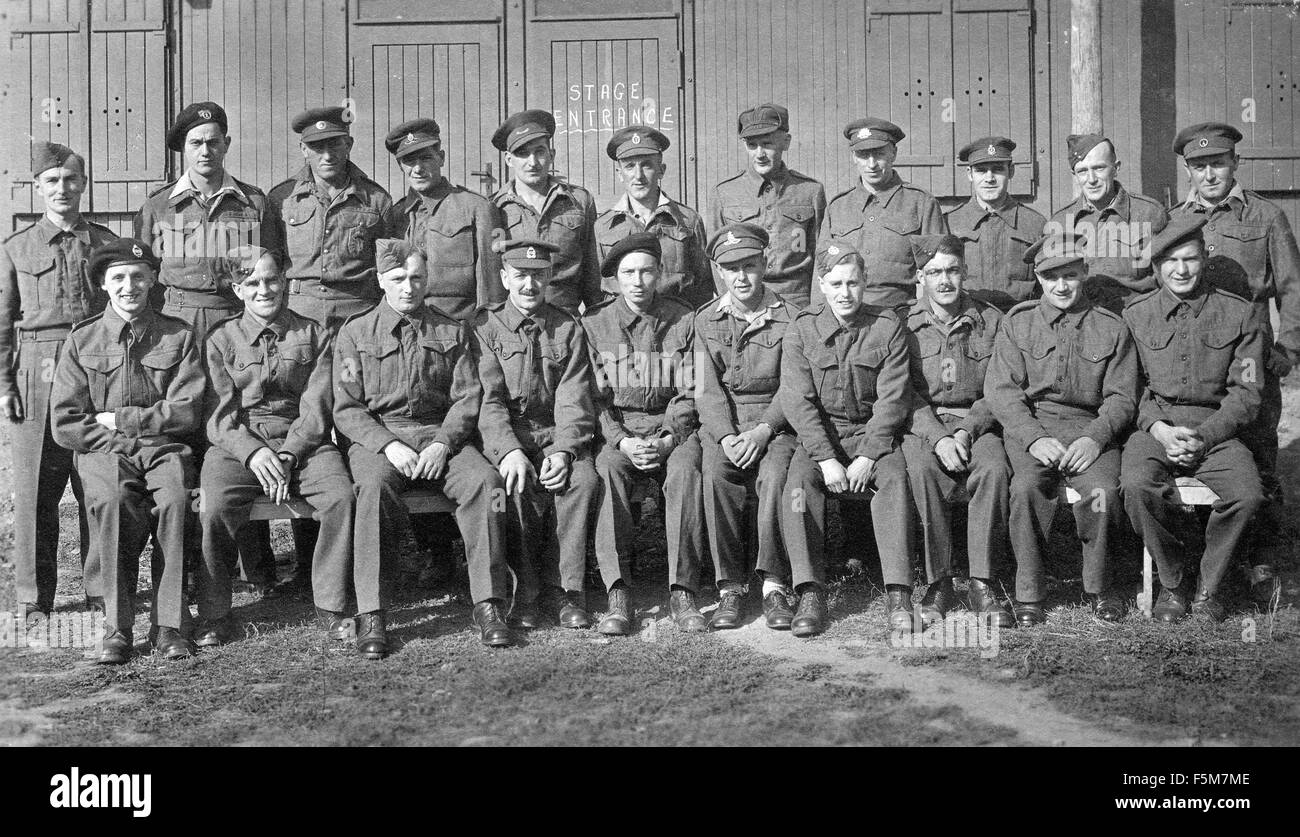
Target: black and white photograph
x,y
650,373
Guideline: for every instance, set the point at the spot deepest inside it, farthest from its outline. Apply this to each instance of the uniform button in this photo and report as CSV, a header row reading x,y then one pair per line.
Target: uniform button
x,y
1210,227
871,217
1184,357
1210,247
1182,335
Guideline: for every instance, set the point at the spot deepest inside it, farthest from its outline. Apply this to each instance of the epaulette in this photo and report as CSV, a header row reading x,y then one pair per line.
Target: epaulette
x,y
1145,199
441,313
811,311
359,314
93,318
800,175
168,318
841,194
591,309
163,188
1109,313
102,228
17,233
1230,295
247,188
729,179
1141,297
678,301
225,320
1027,305
712,303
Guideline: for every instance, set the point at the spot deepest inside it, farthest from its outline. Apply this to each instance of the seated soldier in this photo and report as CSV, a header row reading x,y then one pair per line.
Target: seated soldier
x,y
845,391
407,394
746,441
127,389
640,343
537,424
1063,384
1202,353
269,406
953,438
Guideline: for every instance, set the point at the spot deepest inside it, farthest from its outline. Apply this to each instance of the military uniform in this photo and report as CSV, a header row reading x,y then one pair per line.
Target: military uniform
x,y
845,391
44,290
414,379
139,476
1062,374
192,233
683,267
1251,252
996,239
453,226
537,384
1201,357
270,386
738,372
1115,236
567,219
948,362
644,389
790,206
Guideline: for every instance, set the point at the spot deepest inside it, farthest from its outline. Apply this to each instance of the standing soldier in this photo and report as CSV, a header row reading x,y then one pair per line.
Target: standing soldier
x,y
44,291
997,229
641,348
845,391
332,214
879,214
536,204
1251,252
407,395
638,153
194,221
747,443
537,424
1202,353
1063,384
269,404
953,438
128,392
768,193
450,223
1116,225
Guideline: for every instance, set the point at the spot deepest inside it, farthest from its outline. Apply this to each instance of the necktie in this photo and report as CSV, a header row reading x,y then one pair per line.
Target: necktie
x,y
268,359
844,341
534,387
411,359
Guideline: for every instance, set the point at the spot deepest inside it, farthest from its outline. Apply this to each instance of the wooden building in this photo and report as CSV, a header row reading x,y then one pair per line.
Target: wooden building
x,y
106,76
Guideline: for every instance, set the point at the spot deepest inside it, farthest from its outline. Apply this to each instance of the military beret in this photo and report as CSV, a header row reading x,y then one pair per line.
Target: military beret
x,y
120,251
523,127
833,251
764,119
1080,144
320,124
47,155
925,246
526,252
1180,230
642,242
987,150
1056,249
1206,139
635,141
242,260
412,135
737,241
199,113
870,132
392,253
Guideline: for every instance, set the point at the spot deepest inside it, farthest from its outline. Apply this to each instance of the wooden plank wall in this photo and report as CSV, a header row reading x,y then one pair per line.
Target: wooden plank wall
x,y
264,63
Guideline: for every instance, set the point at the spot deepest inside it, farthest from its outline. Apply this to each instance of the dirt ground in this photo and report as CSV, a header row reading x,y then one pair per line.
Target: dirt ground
x,y
1073,681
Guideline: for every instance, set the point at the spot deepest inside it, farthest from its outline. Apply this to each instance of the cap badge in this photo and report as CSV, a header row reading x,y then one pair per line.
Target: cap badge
x,y
205,114
636,139
1204,142
136,251
521,130
833,250
993,149
322,125
731,238
532,253
410,138
865,133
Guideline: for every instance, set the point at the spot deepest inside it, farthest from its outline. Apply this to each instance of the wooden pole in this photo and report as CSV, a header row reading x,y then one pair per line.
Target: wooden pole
x,y
1085,66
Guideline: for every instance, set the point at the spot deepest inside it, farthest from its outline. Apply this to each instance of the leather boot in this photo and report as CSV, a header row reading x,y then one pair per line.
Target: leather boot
x,y
985,604
811,617
372,635
493,630
686,616
618,622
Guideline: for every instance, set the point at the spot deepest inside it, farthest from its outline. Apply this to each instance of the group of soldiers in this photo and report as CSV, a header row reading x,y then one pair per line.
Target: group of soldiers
x,y
534,361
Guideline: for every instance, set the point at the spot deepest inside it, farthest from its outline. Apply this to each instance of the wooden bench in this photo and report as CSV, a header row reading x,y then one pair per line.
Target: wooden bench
x,y
419,501
1191,492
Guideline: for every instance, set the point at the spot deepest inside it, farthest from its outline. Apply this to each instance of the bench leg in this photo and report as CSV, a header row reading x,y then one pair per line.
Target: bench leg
x,y
1145,601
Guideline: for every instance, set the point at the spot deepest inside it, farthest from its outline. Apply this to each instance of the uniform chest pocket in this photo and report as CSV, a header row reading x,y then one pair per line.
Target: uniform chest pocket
x,y
798,214
300,229
513,358
847,229
294,366
1097,351
37,282
440,357
1243,232
246,368
380,366
1153,338
1213,361
901,225
762,360
160,366
100,371
979,350
450,242
360,228
736,213
825,368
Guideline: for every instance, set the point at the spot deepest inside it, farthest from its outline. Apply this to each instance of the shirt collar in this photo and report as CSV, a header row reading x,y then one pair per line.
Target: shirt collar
x,y
828,324
307,182
882,196
514,318
922,314
1119,204
389,319
768,306
665,204
252,329
115,324
1051,314
626,316
1170,302
775,180
430,201
1196,202
185,186
50,232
